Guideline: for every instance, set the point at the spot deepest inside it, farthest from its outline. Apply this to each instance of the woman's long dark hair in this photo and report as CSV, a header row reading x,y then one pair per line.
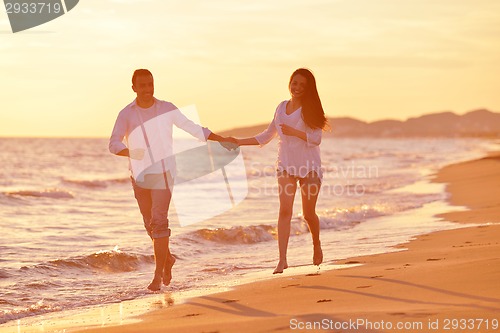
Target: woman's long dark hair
x,y
312,110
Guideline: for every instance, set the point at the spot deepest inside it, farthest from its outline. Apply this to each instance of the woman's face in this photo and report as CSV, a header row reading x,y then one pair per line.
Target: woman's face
x,y
298,86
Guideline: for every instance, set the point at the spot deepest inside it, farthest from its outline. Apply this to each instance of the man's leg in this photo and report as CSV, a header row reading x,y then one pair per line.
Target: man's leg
x,y
167,270
143,197
161,251
160,233
170,260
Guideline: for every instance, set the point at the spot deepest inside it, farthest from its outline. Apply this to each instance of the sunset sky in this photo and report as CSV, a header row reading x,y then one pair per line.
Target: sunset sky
x,y
373,59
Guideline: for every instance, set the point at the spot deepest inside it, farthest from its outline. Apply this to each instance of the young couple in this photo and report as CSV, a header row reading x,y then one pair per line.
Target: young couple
x,y
297,122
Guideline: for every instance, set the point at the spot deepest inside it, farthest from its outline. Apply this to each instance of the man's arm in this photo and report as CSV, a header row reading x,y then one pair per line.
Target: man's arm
x,y
116,145
215,137
124,152
135,154
247,142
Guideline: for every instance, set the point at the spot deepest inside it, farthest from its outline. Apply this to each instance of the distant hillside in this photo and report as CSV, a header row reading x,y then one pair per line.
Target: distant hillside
x,y
478,123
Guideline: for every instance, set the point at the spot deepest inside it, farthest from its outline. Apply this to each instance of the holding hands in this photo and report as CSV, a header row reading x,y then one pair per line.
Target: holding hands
x,y
229,143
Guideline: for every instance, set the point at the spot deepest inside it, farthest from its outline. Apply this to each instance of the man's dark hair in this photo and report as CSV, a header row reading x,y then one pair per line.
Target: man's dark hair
x,y
140,72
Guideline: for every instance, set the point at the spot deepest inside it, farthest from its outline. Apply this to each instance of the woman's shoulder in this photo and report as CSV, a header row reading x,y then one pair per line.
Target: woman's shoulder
x,y
281,106
283,103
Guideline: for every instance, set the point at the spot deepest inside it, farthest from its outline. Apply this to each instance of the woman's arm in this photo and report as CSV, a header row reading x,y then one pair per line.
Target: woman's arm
x,y
260,139
312,138
289,130
247,142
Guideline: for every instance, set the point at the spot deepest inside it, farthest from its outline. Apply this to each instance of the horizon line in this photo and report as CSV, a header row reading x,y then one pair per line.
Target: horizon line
x,y
31,136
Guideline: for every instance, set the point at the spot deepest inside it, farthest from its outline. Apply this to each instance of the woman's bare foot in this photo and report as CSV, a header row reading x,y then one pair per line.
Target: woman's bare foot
x,y
318,255
282,265
155,285
167,271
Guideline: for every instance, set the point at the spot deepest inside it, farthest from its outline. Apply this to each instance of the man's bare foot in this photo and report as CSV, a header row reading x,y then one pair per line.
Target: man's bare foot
x,y
167,271
155,285
282,265
318,255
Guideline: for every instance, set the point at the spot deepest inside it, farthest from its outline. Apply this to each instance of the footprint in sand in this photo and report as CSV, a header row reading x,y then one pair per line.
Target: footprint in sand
x,y
291,285
323,300
397,314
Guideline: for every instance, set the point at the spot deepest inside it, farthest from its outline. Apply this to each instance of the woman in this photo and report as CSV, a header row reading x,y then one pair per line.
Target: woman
x,y
299,123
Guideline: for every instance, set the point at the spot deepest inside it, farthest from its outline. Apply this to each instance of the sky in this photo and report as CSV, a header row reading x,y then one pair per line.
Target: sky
x,y
373,60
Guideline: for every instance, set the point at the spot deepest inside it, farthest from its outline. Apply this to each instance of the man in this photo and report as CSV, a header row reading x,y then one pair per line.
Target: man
x,y
152,180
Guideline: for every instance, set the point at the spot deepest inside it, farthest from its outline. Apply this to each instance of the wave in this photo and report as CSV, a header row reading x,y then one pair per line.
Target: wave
x,y
351,215
95,183
264,233
114,261
52,193
39,307
229,268
238,235
38,285
3,274
334,219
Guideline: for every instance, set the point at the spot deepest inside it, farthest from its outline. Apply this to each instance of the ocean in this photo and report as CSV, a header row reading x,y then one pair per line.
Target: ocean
x,y
72,235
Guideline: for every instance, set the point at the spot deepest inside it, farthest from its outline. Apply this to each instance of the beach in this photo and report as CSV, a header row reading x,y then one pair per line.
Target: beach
x,y
444,281
439,281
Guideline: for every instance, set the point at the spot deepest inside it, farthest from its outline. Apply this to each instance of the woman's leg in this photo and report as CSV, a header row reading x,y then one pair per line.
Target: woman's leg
x,y
287,187
310,187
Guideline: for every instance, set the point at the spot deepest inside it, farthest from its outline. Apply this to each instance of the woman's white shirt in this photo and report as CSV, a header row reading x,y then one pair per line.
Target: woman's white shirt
x,y
295,156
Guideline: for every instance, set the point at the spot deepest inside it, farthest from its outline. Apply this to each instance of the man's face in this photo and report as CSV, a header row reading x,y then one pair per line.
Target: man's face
x,y
144,87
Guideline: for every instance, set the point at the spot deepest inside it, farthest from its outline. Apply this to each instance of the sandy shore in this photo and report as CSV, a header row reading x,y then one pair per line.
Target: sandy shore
x,y
446,281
